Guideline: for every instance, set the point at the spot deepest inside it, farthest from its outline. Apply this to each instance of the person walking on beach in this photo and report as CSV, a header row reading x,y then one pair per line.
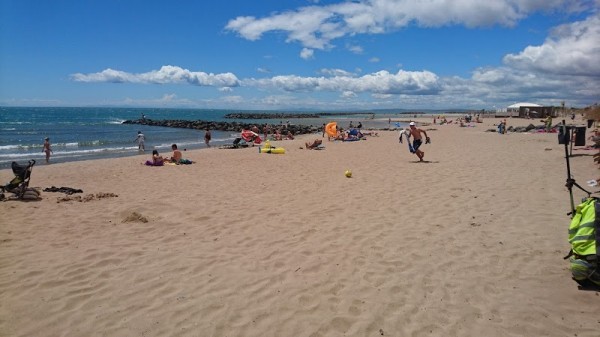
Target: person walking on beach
x,y
140,140
418,139
207,137
47,149
266,130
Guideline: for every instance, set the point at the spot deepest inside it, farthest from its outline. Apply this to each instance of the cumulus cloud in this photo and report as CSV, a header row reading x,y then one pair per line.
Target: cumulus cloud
x,y
165,75
348,94
564,67
335,72
165,100
374,59
316,26
306,53
383,82
571,49
355,49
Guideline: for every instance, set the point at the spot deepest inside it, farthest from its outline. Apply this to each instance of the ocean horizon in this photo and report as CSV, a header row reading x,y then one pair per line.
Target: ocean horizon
x,y
89,133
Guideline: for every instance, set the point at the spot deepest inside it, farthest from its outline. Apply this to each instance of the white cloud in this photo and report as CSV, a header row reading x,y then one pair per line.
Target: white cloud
x,y
348,94
316,26
166,75
564,67
381,96
166,100
571,49
263,70
335,72
403,82
374,59
307,53
355,49
233,99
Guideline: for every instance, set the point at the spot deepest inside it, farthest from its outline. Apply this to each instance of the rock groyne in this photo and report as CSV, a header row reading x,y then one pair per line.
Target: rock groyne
x,y
223,126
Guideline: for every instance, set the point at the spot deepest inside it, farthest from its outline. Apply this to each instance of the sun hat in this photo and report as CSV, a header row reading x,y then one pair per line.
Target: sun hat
x,y
411,123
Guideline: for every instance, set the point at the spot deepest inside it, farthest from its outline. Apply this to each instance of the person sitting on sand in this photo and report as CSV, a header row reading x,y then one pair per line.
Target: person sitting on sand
x,y
277,135
314,144
176,158
157,160
290,135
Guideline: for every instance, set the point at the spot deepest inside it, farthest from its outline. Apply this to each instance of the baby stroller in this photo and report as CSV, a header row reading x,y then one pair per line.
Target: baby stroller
x,y
237,144
19,186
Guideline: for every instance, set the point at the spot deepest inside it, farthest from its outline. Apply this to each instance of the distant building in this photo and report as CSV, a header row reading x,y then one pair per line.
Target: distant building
x,y
526,110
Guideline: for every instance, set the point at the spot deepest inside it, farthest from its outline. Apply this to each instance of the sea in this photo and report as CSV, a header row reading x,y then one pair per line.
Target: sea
x,y
94,133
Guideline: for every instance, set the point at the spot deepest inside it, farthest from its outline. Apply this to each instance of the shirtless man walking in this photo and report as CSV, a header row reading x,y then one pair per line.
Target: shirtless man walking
x,y
418,139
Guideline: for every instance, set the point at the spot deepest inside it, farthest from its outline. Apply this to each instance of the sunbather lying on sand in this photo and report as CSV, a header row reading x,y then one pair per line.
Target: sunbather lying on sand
x,y
314,144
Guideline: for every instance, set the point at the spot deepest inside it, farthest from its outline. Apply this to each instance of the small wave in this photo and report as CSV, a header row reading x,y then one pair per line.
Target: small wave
x,y
116,121
8,129
91,143
71,153
9,147
20,147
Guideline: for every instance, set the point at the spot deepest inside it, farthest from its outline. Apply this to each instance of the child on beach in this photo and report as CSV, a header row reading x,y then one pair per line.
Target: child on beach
x,y
47,149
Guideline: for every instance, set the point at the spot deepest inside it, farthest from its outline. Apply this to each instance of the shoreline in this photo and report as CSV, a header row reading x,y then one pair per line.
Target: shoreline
x,y
424,121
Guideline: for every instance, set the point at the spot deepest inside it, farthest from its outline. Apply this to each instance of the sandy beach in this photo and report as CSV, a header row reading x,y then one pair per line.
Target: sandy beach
x,y
470,243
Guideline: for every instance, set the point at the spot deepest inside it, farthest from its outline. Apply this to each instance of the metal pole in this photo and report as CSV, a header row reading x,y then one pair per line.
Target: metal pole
x,y
567,134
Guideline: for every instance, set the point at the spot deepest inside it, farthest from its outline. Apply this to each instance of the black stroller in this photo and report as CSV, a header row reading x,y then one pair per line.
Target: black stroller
x,y
237,144
19,186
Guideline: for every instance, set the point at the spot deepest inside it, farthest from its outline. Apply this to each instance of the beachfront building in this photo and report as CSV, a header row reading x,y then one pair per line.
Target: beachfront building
x,y
526,110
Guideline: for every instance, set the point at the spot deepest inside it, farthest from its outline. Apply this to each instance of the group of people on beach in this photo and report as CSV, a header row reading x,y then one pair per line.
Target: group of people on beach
x,y
354,133
176,158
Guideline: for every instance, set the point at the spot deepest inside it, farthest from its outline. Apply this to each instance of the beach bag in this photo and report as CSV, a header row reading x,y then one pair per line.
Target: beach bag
x,y
584,238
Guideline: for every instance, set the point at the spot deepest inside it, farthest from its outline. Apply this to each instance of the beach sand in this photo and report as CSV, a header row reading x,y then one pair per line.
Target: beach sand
x,y
246,244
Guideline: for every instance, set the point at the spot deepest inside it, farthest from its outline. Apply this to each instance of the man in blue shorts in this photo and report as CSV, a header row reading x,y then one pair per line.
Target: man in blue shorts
x,y
417,139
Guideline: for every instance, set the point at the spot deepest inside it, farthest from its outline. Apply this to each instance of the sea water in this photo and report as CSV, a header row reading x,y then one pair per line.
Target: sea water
x,y
95,133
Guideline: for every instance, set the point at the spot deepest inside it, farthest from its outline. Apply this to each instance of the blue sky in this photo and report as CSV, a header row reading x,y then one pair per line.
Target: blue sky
x,y
299,54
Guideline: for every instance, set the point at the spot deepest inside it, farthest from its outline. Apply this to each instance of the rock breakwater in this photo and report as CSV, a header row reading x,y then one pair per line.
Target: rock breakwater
x,y
222,126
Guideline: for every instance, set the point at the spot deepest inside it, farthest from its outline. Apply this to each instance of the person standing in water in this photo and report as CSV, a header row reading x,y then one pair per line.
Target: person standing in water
x,y
207,137
140,140
47,149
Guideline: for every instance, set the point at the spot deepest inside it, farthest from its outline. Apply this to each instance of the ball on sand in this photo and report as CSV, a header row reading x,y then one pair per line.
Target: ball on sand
x,y
348,174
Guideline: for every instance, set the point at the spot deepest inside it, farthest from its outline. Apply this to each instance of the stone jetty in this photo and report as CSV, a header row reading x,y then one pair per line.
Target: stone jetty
x,y
286,116
223,126
281,116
